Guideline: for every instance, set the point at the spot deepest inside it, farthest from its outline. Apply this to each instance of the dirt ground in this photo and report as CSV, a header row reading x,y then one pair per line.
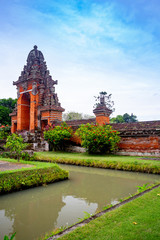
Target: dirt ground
x,y
4,166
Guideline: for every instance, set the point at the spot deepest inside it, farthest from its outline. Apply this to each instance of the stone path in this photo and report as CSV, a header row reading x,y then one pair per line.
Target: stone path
x,y
4,165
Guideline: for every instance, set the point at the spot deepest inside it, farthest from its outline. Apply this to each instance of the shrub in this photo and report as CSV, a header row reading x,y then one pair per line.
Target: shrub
x,y
98,139
15,144
58,136
26,178
4,131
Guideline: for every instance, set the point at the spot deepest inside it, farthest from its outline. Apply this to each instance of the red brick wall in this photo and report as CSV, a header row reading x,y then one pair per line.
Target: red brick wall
x,y
55,115
134,144
51,116
140,144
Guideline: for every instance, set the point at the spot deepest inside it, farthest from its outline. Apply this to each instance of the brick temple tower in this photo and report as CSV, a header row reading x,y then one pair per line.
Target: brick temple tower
x,y
101,111
37,103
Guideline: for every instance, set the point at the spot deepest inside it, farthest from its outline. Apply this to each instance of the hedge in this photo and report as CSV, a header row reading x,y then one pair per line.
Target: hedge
x,y
16,180
128,163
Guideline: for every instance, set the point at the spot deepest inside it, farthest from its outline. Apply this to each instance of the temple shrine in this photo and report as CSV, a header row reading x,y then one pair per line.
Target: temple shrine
x,y
38,106
37,102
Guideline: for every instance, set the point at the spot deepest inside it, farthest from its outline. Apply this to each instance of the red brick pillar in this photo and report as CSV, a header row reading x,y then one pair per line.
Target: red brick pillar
x,y
102,114
100,119
33,112
19,122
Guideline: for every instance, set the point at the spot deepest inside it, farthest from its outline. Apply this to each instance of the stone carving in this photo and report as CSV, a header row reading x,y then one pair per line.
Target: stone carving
x,y
36,68
25,86
34,88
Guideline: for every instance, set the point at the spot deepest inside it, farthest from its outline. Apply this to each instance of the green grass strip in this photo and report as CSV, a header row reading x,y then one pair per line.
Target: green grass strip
x,y
138,219
40,173
127,163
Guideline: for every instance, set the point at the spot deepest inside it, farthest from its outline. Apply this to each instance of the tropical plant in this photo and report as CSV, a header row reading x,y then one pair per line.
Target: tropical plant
x,y
11,238
15,144
98,139
58,136
142,188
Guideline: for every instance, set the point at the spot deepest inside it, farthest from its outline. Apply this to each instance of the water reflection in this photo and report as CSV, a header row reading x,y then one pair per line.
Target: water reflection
x,y
6,223
35,211
74,207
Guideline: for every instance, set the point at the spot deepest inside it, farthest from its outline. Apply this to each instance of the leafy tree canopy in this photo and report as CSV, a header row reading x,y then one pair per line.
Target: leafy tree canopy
x,y
75,116
9,103
4,116
124,118
6,107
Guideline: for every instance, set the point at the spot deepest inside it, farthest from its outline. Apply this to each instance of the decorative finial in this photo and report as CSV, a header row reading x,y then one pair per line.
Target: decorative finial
x,y
35,47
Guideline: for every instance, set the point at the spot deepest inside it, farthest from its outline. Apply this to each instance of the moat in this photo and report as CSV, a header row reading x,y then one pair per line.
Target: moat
x,y
33,212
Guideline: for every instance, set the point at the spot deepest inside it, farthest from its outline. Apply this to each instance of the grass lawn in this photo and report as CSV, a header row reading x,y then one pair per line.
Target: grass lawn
x,y
129,163
136,220
40,173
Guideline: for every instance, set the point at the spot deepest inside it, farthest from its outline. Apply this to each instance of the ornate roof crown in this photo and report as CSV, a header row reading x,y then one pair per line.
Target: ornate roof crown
x,y
35,55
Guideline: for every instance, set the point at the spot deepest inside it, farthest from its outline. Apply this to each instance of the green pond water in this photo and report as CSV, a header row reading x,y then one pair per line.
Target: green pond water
x,y
33,212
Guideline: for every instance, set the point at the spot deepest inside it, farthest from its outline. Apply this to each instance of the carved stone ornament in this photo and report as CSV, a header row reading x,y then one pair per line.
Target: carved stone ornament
x,y
34,88
25,86
36,70
52,89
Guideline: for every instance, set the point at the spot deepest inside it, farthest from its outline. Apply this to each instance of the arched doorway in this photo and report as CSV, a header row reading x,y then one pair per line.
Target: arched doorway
x,y
25,111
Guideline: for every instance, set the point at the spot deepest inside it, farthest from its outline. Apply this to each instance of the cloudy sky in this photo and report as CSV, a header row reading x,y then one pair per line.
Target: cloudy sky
x,y
89,46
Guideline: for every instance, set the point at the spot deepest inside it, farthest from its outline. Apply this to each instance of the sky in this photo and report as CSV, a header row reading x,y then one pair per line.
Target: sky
x,y
89,46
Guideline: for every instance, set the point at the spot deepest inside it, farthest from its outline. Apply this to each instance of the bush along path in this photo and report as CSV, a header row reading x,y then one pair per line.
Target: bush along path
x,y
135,218
38,174
127,163
98,139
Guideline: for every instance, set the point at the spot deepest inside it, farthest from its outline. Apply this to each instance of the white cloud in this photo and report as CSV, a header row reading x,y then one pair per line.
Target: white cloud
x,y
87,53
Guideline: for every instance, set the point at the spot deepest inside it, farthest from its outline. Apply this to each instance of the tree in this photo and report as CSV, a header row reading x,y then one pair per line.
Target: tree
x,y
4,116
124,118
15,144
72,116
8,103
6,107
130,118
87,116
75,116
98,139
118,119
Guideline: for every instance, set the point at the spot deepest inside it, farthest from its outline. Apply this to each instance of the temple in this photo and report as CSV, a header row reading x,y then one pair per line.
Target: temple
x,y
37,102
38,106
